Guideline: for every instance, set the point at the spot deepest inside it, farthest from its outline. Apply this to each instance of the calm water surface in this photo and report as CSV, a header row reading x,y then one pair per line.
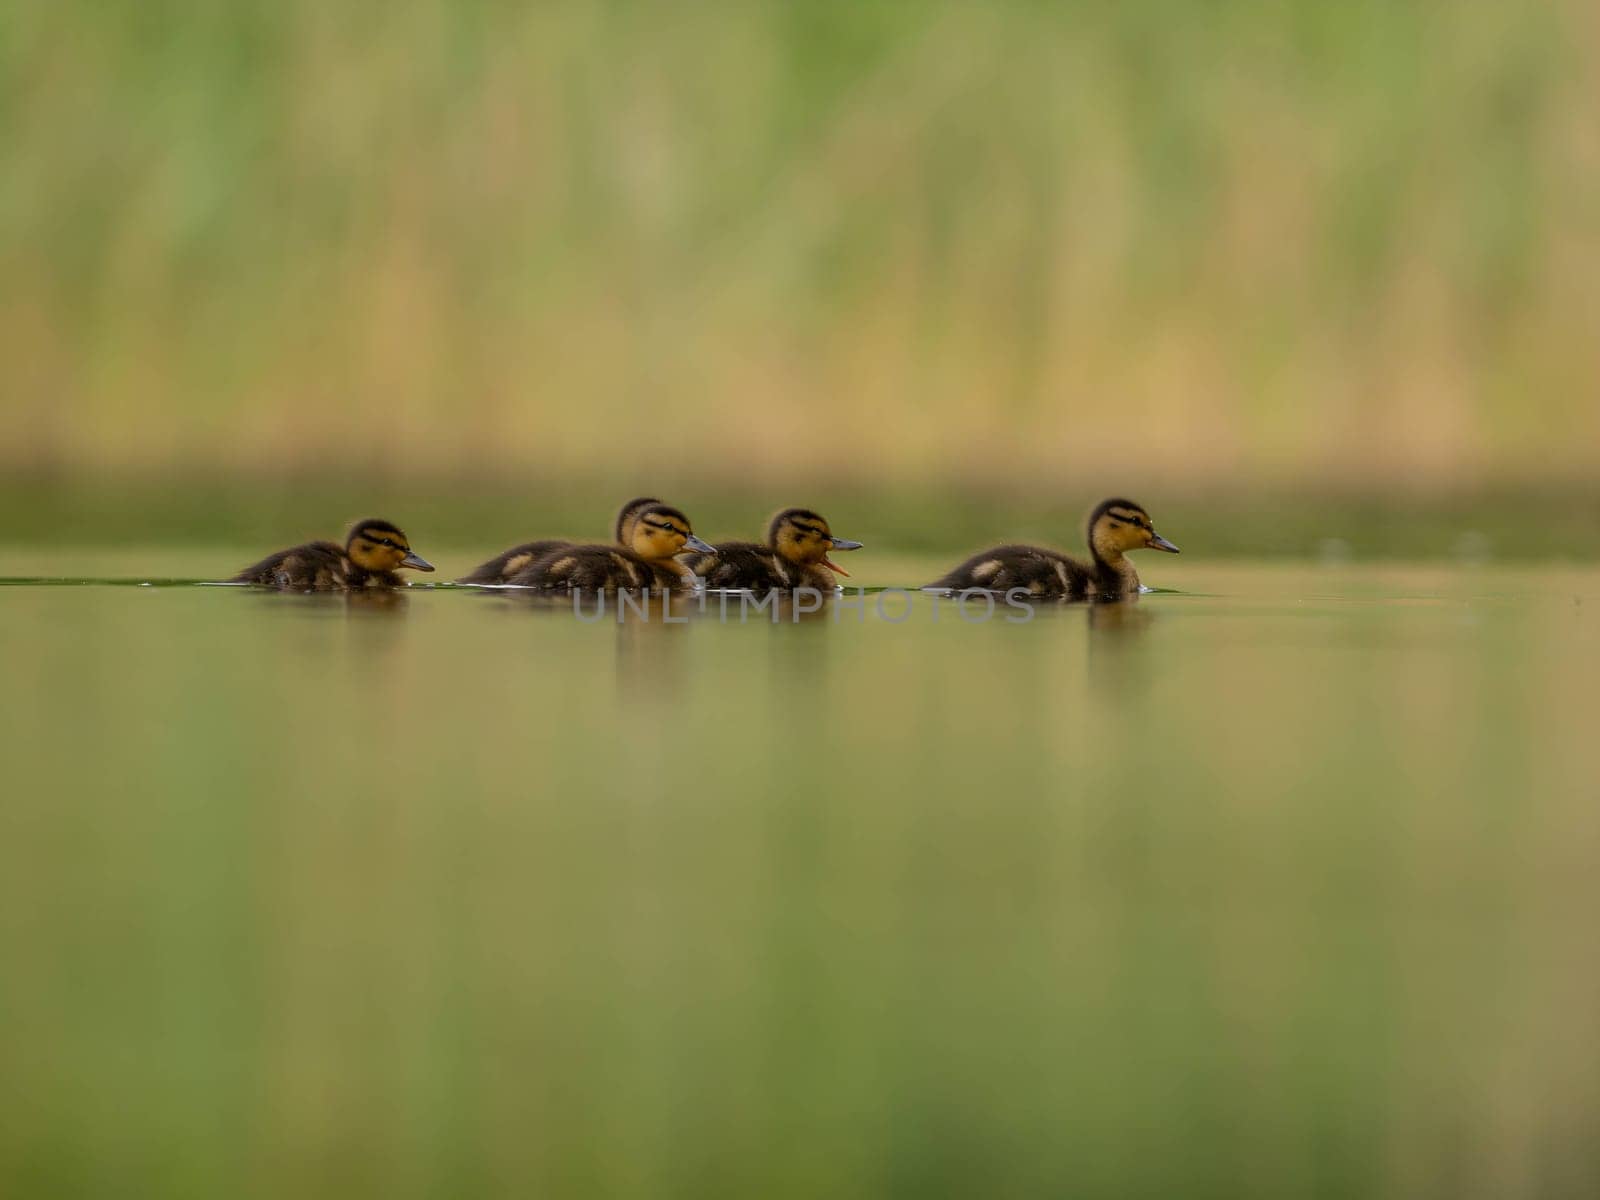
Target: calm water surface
x,y
1283,885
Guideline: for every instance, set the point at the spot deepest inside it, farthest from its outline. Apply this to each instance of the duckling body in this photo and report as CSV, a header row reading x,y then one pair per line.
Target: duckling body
x,y
603,569
313,567
504,566
656,534
1039,570
795,555
740,565
1116,528
371,557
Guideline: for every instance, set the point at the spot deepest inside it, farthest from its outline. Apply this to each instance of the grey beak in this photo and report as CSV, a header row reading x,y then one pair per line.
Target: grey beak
x,y
1157,542
416,562
699,544
844,544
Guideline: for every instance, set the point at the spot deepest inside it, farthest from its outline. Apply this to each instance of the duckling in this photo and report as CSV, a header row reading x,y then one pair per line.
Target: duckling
x,y
502,567
795,555
372,553
657,533
1116,527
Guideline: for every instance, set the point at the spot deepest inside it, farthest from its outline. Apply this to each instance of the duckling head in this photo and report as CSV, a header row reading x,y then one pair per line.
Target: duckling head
x,y
380,546
660,531
802,536
1117,527
628,514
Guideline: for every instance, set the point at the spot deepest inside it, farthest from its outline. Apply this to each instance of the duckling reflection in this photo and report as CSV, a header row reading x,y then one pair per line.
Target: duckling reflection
x,y
652,649
803,606
624,606
1119,655
380,602
387,603
556,605
800,658
776,606
1120,618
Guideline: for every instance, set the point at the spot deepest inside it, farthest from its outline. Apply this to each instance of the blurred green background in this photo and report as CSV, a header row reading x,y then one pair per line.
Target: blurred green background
x,y
495,266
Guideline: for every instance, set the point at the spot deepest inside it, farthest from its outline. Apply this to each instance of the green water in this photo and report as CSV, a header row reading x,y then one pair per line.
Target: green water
x,y
1282,884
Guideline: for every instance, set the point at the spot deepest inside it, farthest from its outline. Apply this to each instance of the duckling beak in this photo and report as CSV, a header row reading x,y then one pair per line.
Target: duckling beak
x,y
416,562
694,543
839,544
1157,542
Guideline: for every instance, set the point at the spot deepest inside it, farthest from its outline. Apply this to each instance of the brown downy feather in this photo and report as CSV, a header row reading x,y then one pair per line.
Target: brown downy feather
x,y
503,567
1116,527
371,557
656,534
313,567
795,554
599,568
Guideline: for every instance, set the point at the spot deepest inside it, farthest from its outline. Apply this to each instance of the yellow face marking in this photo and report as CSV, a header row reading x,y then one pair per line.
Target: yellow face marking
x,y
657,537
1115,532
804,539
368,551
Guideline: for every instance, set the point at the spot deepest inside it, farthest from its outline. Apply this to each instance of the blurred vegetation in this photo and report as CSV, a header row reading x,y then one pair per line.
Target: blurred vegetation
x,y
1003,251
467,522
